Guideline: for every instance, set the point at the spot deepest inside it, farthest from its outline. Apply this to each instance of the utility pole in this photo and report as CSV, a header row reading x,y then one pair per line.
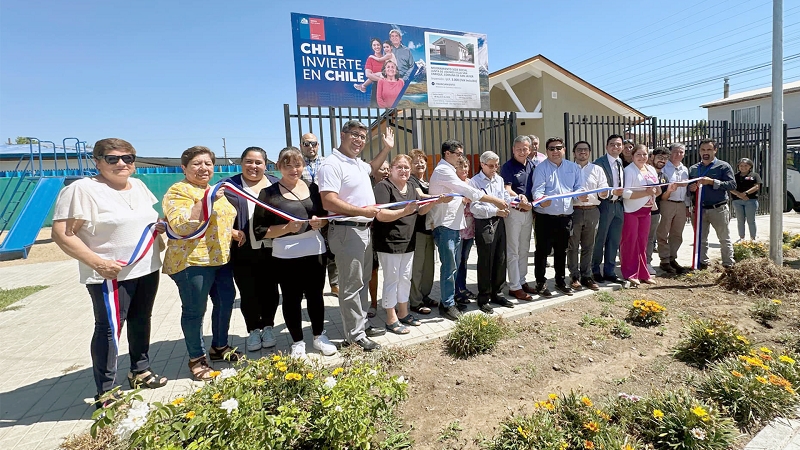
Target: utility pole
x,y
777,157
225,152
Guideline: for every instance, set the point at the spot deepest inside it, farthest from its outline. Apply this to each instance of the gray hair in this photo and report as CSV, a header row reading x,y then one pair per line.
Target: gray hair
x,y
533,137
350,124
524,139
675,145
488,156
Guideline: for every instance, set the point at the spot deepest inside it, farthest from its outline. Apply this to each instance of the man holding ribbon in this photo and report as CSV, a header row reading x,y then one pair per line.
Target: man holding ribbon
x,y
517,175
716,179
673,212
609,228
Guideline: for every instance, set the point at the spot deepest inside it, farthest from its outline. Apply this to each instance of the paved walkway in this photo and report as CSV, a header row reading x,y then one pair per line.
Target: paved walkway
x,y
47,367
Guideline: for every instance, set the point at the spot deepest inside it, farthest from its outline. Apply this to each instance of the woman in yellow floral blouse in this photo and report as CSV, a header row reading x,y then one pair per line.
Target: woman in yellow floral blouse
x,y
200,267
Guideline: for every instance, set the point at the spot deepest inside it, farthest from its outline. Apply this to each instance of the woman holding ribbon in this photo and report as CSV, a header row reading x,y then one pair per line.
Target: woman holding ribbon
x,y
638,201
253,266
298,249
198,261
100,222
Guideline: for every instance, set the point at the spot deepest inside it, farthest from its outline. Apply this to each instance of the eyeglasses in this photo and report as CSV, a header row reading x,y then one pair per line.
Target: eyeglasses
x,y
310,144
359,136
113,159
582,150
458,153
556,148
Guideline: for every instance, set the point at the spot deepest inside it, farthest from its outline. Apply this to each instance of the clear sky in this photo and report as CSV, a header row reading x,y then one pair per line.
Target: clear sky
x,y
170,74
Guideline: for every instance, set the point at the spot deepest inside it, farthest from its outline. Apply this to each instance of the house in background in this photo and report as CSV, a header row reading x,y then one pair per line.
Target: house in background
x,y
449,50
755,107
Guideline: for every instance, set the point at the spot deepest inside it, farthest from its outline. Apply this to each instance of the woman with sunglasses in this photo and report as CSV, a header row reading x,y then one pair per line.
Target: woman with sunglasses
x,y
99,221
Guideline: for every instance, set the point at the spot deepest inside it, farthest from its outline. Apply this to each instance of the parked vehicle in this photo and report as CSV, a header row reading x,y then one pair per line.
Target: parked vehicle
x,y
792,180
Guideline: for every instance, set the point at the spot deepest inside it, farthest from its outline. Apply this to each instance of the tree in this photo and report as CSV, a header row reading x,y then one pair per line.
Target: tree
x,y
471,51
23,140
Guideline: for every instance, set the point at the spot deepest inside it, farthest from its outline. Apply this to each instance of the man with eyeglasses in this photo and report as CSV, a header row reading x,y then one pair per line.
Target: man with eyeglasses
x,y
346,189
660,156
555,175
517,173
585,217
447,219
673,212
309,147
612,213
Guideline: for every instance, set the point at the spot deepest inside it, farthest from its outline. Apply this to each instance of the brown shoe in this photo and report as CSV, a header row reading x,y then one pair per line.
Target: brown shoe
x,y
576,285
528,289
519,294
335,289
590,283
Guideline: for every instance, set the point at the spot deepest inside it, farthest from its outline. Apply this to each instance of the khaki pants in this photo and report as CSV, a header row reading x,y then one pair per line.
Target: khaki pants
x,y
717,218
670,230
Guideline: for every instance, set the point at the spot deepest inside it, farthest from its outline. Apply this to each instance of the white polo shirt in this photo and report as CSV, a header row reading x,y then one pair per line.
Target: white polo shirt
x,y
348,177
444,180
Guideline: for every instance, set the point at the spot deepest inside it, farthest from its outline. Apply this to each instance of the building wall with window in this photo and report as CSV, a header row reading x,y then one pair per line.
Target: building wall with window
x,y
758,109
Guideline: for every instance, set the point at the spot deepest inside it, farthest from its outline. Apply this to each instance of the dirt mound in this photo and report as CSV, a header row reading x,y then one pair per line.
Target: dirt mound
x,y
761,277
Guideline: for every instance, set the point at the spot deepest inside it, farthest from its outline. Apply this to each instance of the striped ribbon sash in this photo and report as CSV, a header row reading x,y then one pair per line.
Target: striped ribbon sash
x,y
698,221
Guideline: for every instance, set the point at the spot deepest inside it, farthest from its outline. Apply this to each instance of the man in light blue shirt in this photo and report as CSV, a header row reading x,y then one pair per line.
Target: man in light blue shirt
x,y
555,175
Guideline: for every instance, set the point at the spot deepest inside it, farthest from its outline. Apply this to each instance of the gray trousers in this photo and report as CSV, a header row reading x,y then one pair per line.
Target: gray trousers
x,y
717,218
352,247
422,269
584,228
655,219
670,230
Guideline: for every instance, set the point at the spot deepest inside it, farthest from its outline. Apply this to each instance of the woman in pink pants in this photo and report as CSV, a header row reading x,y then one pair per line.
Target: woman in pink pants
x,y
636,226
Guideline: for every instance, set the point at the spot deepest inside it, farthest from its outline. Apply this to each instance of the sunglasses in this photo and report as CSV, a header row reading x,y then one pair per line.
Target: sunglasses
x,y
310,144
554,148
113,159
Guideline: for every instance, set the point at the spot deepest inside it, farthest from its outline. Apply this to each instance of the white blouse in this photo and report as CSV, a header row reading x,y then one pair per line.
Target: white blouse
x,y
635,178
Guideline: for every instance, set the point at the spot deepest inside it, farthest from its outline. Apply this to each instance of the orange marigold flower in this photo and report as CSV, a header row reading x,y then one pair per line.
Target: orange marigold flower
x,y
586,401
594,427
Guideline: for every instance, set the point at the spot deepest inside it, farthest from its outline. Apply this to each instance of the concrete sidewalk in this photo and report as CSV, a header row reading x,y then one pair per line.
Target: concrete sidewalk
x,y
47,366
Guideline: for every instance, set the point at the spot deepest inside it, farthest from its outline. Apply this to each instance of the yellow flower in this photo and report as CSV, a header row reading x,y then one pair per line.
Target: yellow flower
x,y
594,427
786,359
628,447
484,323
602,414
586,401
310,376
282,368
522,432
216,396
790,390
761,380
658,414
337,371
293,376
552,396
276,358
177,401
190,415
214,374
699,411
709,331
776,301
565,446
270,376
550,406
736,373
323,398
779,381
743,340
765,350
588,444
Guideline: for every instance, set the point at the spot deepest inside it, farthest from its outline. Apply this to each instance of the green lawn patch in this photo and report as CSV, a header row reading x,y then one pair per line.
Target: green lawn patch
x,y
10,296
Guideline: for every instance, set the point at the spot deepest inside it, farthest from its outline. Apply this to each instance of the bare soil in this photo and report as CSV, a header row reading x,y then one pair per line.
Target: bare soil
x,y
43,250
570,347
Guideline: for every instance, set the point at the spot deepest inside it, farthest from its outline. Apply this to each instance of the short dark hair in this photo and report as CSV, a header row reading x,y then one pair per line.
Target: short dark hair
x,y
553,139
192,152
451,145
707,141
106,145
613,136
660,151
256,150
581,142
353,123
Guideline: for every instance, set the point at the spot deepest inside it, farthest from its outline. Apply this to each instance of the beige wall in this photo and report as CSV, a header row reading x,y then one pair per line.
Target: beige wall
x,y
529,92
569,100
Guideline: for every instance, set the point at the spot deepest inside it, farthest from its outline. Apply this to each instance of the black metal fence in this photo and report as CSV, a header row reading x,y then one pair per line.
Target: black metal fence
x,y
735,141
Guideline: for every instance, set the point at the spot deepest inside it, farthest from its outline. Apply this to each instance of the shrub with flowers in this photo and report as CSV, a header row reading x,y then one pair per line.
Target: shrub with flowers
x,y
753,388
646,313
766,310
707,341
277,403
749,249
474,334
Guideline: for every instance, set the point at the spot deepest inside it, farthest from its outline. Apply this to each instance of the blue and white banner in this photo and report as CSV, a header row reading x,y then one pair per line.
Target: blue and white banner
x,y
352,63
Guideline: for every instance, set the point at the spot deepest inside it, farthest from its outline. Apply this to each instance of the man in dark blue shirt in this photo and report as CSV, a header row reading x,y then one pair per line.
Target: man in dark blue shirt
x,y
517,177
717,179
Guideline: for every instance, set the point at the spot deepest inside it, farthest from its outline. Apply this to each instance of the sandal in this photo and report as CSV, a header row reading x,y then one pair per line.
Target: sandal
x,y
146,378
224,353
200,369
397,328
411,320
421,309
649,281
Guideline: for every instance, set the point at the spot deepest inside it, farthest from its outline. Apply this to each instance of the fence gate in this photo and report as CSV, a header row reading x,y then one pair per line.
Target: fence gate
x,y
424,129
735,141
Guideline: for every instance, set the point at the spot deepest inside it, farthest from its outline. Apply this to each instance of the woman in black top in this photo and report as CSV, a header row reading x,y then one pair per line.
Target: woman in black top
x,y
393,238
745,203
298,248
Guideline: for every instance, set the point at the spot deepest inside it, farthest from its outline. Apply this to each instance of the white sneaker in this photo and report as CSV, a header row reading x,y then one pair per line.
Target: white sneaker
x,y
323,344
298,350
267,338
254,341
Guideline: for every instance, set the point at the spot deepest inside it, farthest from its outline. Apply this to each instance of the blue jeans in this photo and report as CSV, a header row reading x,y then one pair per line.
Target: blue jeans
x,y
746,209
461,273
608,238
449,244
195,284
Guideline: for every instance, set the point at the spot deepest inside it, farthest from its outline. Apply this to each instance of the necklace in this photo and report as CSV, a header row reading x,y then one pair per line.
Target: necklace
x,y
128,200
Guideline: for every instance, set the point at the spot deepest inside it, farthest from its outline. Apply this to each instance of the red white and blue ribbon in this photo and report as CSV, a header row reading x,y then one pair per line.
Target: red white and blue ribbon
x,y
698,221
599,190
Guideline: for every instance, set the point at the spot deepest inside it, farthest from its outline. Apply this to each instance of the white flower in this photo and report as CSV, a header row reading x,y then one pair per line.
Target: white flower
x,y
330,382
401,380
698,434
373,372
229,405
136,418
629,397
338,408
225,373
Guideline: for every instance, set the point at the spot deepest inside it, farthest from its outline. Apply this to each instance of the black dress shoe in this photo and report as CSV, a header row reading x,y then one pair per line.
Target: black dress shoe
x,y
563,288
678,268
461,307
487,308
368,344
462,299
449,313
542,290
502,301
598,278
667,268
374,331
613,279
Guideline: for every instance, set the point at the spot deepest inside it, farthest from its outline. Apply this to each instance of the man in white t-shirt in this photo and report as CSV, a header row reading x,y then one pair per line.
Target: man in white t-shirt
x,y
345,188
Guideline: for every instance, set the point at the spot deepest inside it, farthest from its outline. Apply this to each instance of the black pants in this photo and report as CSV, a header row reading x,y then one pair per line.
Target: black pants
x,y
552,233
490,240
300,276
254,272
136,298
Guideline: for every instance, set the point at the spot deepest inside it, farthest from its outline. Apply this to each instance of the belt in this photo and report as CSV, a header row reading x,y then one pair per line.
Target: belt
x,y
490,219
584,207
675,201
352,223
612,201
718,205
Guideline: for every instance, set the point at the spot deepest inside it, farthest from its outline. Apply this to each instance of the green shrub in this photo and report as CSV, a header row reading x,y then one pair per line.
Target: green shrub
x,y
621,330
278,403
749,249
752,388
765,310
707,341
646,313
474,334
535,431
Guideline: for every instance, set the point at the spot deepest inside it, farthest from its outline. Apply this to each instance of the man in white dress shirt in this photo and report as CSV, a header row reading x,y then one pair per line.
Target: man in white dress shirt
x,y
673,212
